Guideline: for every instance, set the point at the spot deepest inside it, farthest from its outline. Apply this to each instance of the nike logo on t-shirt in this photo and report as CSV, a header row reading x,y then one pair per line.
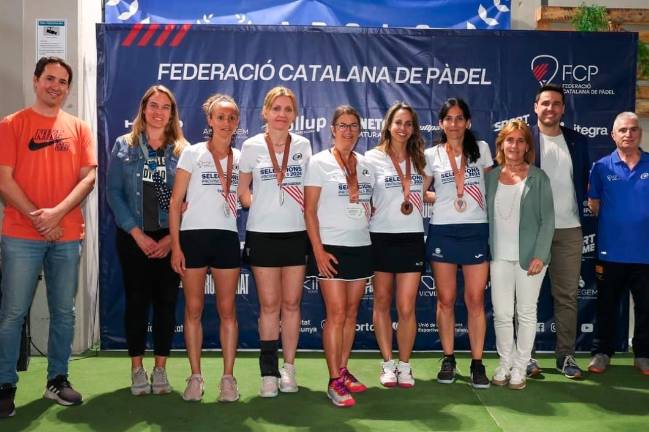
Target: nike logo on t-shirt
x,y
33,146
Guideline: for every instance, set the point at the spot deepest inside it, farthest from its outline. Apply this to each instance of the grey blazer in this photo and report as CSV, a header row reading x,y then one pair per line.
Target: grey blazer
x,y
536,226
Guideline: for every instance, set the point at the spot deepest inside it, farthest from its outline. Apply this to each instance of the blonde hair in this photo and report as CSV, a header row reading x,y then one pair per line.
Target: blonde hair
x,y
415,144
513,126
173,133
273,94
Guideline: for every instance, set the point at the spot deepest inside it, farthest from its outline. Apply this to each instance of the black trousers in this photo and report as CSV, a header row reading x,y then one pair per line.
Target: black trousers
x,y
613,281
147,283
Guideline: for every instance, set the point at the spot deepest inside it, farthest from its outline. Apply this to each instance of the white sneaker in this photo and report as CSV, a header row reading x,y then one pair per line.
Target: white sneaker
x,y
501,376
517,379
140,382
388,376
287,382
269,386
404,375
194,391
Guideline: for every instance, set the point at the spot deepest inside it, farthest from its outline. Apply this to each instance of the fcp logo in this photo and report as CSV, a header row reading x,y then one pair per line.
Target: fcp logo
x,y
544,68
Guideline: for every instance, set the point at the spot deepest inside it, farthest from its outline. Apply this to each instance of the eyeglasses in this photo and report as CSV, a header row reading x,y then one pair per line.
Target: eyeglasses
x,y
344,126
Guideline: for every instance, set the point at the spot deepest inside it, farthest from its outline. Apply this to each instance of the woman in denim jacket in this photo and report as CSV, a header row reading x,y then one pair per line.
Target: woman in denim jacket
x,y
140,178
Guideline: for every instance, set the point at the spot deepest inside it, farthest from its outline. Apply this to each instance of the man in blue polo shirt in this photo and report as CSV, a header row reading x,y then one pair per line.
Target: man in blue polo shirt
x,y
619,195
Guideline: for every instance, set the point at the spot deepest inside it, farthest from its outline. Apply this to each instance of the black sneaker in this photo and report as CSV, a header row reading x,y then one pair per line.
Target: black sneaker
x,y
479,378
7,406
60,391
446,374
568,367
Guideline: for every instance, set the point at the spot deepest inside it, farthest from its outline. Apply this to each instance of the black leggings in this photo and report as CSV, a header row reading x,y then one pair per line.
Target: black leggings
x,y
147,282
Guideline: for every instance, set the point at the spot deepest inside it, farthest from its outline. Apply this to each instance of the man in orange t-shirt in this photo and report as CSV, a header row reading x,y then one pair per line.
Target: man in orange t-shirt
x,y
47,167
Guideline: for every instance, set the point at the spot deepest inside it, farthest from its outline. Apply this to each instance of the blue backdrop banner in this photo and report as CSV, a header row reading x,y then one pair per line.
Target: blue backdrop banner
x,y
497,72
459,14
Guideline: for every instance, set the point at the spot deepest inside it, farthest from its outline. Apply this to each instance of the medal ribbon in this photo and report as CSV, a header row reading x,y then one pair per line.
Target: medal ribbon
x,y
280,173
458,174
350,173
226,179
405,180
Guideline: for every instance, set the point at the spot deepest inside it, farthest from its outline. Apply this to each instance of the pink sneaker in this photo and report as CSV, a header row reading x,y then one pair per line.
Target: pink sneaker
x,y
352,384
339,395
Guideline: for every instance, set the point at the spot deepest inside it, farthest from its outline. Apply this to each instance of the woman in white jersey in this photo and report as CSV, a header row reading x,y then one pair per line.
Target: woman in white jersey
x,y
458,233
207,179
276,242
338,190
521,222
397,233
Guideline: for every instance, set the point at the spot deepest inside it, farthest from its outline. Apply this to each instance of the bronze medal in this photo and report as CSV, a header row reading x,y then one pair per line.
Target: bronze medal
x,y
349,170
406,207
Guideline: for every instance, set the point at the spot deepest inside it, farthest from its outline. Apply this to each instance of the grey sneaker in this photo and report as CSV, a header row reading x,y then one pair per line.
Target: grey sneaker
x,y
140,382
568,367
159,382
287,382
228,391
533,369
642,363
194,390
599,363
269,387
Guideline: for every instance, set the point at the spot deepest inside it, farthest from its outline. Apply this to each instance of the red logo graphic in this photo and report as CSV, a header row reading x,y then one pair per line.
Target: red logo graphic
x,y
150,30
544,68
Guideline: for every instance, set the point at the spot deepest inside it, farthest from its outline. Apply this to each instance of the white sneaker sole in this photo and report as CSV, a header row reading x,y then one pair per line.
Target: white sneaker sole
x,y
288,389
187,399
228,400
161,390
56,398
140,391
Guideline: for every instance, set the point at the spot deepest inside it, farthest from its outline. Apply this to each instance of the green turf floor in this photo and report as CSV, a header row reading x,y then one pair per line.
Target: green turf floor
x,y
615,401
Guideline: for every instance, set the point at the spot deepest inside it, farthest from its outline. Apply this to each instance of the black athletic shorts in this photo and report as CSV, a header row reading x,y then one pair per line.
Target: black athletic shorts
x,y
213,248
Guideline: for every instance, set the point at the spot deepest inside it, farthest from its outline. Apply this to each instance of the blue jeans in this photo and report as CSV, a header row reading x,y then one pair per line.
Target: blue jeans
x,y
22,261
